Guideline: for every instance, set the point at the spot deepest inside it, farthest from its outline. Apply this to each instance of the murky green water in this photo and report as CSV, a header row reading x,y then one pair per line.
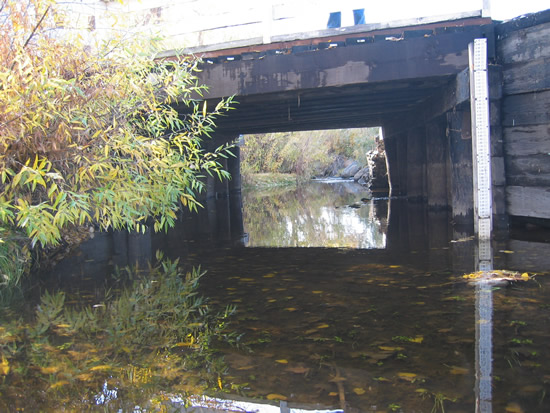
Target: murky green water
x,y
392,326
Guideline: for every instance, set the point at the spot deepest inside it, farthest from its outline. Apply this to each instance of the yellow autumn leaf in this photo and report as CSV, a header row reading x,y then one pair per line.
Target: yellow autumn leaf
x,y
49,370
275,396
417,339
407,376
317,292
333,393
387,348
4,366
359,391
270,275
282,361
290,309
323,326
101,367
59,384
85,377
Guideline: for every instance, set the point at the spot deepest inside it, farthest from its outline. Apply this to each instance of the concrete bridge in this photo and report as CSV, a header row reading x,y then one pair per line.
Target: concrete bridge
x,y
413,80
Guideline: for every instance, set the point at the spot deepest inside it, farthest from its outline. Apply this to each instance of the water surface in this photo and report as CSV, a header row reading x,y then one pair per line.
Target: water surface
x,y
373,316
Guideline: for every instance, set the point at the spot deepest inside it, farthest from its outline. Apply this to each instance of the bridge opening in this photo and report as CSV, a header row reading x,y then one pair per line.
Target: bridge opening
x,y
317,188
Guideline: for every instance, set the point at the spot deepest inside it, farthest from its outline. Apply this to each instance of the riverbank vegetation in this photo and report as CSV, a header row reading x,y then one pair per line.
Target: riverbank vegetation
x,y
89,136
303,154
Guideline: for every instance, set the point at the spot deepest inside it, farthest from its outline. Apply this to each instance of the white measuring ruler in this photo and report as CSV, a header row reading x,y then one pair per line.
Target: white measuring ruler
x,y
481,140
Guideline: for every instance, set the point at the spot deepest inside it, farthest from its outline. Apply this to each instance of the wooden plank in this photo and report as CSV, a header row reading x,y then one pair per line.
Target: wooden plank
x,y
532,170
527,140
526,109
525,45
528,201
465,21
532,76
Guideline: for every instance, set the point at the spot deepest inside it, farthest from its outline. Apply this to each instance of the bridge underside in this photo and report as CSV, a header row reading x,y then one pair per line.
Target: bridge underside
x,y
412,81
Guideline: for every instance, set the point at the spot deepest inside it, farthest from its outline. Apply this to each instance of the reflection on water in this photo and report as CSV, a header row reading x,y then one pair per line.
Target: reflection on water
x,y
339,329
319,214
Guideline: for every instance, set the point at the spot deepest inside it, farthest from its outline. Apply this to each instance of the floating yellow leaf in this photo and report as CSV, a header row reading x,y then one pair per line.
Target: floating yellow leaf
x,y
247,280
387,348
275,396
458,370
246,367
271,300
282,361
270,275
333,393
298,369
506,251
85,377
317,292
290,309
59,384
359,391
49,370
4,366
101,367
323,326
423,391
417,339
407,376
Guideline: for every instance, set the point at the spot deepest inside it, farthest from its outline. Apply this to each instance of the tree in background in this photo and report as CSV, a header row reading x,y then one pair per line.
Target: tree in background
x,y
90,136
306,154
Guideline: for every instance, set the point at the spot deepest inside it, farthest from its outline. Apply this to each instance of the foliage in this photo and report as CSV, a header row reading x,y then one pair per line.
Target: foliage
x,y
154,334
92,136
306,154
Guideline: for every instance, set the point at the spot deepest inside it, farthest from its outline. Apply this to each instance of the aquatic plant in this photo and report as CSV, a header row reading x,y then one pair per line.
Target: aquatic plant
x,y
155,333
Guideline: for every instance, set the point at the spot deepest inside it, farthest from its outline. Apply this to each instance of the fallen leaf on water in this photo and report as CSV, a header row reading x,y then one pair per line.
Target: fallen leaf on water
x,y
271,300
85,377
323,326
382,379
270,275
317,292
387,348
458,370
275,396
513,408
246,367
298,369
417,339
407,376
333,393
282,361
101,367
49,370
506,251
59,384
247,280
4,366
359,391
290,309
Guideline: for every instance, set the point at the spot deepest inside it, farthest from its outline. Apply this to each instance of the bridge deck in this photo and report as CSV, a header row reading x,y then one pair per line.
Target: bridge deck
x,y
345,80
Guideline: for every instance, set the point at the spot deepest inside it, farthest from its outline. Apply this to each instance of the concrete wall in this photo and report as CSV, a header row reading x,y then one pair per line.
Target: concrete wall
x,y
523,50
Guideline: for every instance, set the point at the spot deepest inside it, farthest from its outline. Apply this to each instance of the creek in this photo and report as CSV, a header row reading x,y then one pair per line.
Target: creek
x,y
345,303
